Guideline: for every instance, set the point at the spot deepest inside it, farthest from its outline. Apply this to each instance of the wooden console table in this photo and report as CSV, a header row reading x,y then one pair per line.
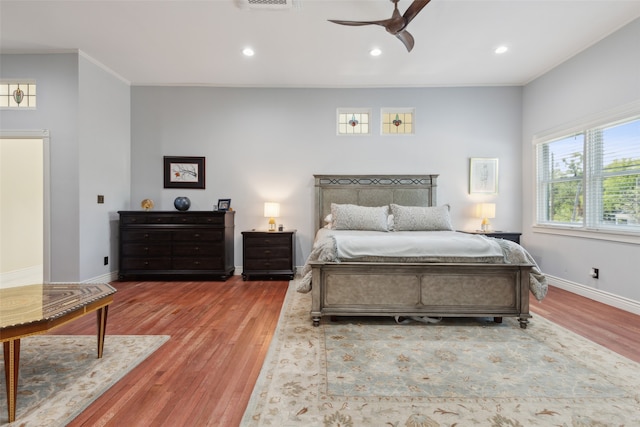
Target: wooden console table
x,y
36,309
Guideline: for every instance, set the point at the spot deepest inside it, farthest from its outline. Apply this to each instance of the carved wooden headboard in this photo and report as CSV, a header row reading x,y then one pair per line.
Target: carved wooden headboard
x,y
372,190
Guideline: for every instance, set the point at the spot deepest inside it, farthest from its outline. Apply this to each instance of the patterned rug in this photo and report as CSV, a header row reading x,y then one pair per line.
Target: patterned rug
x,y
459,372
60,375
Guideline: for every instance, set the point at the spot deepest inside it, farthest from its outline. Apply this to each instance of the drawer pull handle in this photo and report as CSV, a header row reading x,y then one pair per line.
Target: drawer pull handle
x,y
197,235
196,262
197,248
146,249
267,252
146,236
146,263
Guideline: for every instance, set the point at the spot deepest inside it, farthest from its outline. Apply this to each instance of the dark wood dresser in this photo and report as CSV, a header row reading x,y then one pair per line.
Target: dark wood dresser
x,y
270,254
168,245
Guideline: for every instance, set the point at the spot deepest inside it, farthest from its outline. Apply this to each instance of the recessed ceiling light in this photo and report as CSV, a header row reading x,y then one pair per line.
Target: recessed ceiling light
x,y
375,52
247,51
501,49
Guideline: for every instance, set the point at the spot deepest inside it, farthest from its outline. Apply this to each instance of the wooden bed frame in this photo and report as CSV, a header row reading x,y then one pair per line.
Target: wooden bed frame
x,y
414,289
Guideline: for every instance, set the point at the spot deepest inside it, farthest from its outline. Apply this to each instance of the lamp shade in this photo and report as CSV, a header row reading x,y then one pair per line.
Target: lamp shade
x,y
486,210
271,210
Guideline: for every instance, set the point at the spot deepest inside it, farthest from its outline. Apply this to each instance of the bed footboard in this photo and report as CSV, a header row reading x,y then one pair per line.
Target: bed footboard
x,y
431,289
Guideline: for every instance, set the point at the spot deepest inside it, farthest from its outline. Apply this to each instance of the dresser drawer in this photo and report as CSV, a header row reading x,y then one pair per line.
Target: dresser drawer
x,y
197,263
145,236
198,235
205,249
149,263
148,249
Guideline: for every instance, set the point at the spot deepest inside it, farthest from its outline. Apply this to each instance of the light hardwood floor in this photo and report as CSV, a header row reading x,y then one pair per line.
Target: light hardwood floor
x,y
220,332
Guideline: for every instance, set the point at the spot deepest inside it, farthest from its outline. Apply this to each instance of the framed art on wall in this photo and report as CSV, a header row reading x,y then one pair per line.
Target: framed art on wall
x,y
184,172
483,176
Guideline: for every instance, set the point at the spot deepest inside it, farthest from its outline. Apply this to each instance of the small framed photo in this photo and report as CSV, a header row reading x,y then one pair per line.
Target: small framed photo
x,y
184,172
224,204
483,176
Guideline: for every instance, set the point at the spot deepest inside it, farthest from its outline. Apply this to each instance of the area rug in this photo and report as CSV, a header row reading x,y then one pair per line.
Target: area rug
x,y
459,372
60,375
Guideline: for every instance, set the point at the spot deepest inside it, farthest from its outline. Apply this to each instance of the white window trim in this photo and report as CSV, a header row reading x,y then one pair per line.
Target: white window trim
x,y
577,126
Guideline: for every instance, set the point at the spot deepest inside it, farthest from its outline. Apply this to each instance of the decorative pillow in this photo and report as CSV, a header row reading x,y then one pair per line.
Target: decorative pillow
x,y
418,218
327,221
354,217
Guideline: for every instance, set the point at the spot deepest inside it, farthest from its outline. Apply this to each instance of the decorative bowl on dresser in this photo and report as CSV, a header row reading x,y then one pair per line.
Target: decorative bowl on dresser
x,y
270,254
169,245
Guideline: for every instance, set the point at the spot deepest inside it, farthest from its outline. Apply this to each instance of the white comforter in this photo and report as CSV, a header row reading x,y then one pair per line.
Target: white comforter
x,y
418,246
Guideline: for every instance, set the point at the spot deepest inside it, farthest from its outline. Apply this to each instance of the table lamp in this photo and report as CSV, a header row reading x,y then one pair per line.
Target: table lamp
x,y
272,211
486,211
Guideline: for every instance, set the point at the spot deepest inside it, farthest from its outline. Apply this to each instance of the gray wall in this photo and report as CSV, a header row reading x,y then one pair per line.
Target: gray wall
x,y
604,77
87,112
266,144
104,128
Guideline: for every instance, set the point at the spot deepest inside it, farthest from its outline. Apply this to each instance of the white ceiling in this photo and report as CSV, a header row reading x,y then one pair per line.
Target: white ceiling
x,y
187,42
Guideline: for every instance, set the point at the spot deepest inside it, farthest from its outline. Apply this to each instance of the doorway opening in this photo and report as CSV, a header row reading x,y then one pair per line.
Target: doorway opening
x,y
24,208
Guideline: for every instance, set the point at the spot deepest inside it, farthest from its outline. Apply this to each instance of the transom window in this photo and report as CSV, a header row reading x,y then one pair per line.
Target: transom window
x,y
591,179
17,94
397,121
354,121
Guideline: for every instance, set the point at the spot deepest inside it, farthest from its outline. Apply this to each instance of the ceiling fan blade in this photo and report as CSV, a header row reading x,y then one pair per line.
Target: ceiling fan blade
x,y
358,23
407,39
414,9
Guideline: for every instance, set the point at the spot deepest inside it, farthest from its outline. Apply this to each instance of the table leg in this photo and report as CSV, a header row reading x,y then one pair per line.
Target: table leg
x,y
102,328
11,364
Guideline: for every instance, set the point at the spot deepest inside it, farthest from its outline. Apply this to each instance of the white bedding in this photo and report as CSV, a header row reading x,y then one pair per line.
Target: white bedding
x,y
418,246
352,245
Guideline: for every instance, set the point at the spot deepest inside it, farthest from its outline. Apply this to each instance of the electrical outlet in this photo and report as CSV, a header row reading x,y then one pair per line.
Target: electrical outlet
x,y
100,198
106,260
595,272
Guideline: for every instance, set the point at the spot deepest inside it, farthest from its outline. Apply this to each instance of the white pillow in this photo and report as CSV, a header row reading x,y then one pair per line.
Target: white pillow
x,y
354,217
418,218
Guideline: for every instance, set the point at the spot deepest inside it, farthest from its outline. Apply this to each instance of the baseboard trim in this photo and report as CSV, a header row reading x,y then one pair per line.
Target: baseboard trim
x,y
21,277
622,303
105,278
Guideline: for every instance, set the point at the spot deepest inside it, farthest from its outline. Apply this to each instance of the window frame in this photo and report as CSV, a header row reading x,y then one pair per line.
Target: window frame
x,y
589,226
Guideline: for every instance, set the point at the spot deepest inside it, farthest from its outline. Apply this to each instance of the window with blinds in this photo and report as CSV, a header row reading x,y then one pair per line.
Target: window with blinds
x,y
591,179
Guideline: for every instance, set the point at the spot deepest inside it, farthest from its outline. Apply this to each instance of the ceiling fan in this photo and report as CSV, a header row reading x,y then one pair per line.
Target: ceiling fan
x,y
395,25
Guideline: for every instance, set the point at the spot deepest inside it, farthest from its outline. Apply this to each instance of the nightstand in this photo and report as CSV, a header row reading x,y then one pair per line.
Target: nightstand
x,y
270,254
506,235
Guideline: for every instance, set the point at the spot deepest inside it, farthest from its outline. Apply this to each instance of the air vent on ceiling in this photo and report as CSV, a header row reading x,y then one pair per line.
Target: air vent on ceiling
x,y
269,4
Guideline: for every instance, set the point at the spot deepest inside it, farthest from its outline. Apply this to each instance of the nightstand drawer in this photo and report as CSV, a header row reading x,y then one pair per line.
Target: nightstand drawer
x,y
268,239
268,264
267,252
